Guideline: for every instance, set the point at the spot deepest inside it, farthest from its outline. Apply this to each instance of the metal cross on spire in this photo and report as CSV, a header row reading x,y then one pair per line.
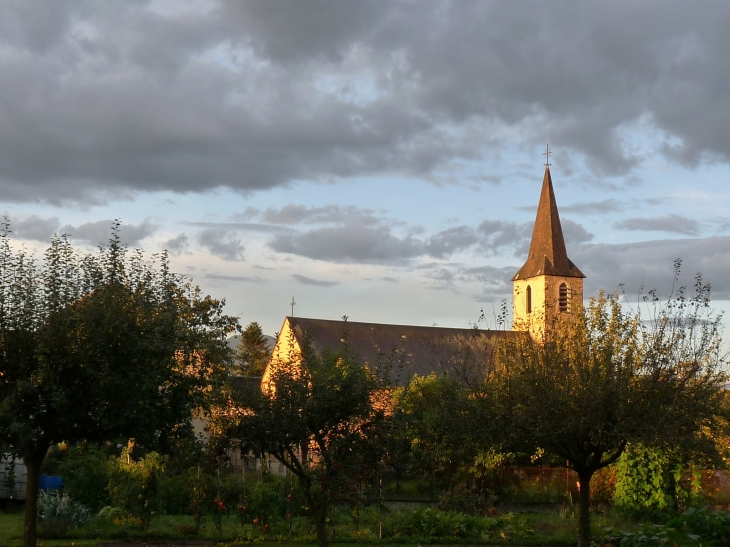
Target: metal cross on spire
x,y
547,151
292,304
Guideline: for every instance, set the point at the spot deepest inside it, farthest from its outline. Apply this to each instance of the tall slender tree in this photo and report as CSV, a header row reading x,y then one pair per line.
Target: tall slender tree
x,y
253,351
95,347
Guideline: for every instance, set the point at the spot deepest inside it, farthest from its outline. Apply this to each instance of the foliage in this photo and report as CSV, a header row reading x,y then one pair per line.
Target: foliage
x,y
85,472
264,502
58,512
654,536
606,378
133,485
253,351
431,523
321,419
438,414
710,526
649,481
97,347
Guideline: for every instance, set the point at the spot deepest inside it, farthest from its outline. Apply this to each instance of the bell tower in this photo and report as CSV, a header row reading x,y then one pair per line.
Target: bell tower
x,y
548,288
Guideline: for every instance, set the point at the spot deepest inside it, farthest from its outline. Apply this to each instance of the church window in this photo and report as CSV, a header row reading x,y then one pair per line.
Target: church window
x,y
528,303
563,298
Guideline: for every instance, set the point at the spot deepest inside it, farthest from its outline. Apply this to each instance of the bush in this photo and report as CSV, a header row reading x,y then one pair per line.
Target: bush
x,y
58,512
470,501
133,485
431,523
85,472
263,502
709,526
175,494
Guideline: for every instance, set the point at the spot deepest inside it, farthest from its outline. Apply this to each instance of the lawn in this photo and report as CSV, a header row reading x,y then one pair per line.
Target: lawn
x,y
536,529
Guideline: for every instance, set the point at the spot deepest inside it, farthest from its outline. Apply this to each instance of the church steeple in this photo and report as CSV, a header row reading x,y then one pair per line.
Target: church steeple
x,y
549,287
547,254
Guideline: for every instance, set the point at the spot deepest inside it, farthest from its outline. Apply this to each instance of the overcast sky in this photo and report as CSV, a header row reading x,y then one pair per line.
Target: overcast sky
x,y
379,159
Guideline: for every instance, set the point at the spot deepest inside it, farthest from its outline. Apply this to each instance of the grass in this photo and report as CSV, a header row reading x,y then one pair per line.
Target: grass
x,y
545,529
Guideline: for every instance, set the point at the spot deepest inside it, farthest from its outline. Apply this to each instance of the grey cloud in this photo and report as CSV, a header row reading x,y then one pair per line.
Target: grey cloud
x,y
177,244
35,228
352,243
649,263
450,241
222,243
251,96
495,282
221,277
442,278
574,233
316,282
98,233
240,226
327,214
499,233
670,223
594,207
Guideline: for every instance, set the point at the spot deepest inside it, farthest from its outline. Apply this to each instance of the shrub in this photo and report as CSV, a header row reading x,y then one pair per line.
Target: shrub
x,y
175,494
648,482
709,526
133,485
58,512
263,501
85,472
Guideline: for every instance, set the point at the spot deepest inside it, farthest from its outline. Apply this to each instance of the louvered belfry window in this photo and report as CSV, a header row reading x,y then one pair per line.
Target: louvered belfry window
x,y
563,298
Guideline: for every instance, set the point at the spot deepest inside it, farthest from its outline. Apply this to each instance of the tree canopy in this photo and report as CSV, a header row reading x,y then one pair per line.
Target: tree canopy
x,y
608,377
321,417
98,347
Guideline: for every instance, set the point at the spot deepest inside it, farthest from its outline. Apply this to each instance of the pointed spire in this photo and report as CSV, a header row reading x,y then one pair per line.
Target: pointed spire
x,y
547,249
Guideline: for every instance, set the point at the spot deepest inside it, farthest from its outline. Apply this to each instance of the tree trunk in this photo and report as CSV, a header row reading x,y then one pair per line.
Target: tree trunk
x,y
584,514
320,525
30,529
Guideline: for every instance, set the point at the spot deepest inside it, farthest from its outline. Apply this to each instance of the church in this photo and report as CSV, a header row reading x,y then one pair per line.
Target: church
x,y
547,290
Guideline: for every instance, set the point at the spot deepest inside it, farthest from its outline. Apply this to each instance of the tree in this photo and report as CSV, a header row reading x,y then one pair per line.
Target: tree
x,y
98,347
253,351
608,378
439,413
320,417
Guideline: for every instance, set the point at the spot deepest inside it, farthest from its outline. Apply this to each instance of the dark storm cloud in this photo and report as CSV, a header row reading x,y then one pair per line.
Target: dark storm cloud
x,y
304,280
674,224
222,243
99,233
104,98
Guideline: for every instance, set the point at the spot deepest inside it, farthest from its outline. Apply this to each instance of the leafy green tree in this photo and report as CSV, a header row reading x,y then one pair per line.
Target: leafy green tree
x,y
253,351
438,412
318,416
608,378
97,347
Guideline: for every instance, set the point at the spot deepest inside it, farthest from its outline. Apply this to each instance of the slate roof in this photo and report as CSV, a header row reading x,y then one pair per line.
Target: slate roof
x,y
405,350
547,250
